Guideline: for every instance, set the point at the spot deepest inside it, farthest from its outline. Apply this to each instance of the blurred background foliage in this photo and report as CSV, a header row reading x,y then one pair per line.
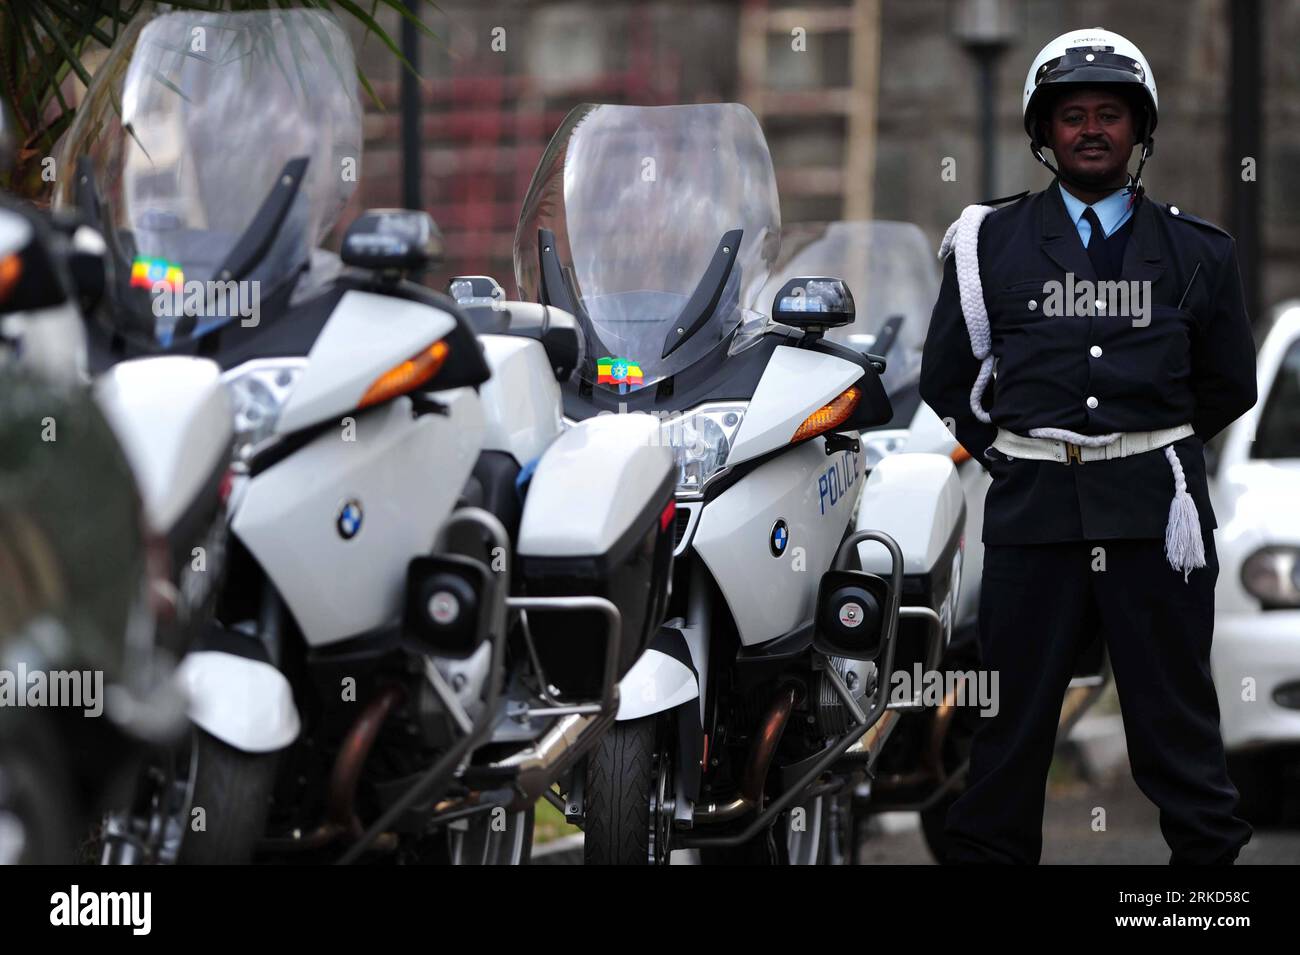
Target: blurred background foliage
x,y
50,48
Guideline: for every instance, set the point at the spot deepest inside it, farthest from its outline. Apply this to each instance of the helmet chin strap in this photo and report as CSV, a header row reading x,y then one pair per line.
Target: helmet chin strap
x,y
1135,187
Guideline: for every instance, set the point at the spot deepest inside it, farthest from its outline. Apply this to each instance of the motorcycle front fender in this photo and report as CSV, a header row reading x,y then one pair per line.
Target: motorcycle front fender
x,y
656,682
245,703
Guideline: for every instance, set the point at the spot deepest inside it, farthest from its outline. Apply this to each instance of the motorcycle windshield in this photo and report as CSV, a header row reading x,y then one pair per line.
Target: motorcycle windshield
x,y
890,269
659,225
185,132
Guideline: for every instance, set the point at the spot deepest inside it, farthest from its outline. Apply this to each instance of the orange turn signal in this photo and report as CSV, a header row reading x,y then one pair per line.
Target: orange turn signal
x,y
829,416
11,270
407,376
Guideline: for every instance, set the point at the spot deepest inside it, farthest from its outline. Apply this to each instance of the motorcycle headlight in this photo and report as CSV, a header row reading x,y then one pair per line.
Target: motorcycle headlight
x,y
877,445
1272,575
700,442
259,391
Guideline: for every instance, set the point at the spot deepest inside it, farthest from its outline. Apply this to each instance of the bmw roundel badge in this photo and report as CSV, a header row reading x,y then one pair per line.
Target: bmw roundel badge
x,y
349,520
779,538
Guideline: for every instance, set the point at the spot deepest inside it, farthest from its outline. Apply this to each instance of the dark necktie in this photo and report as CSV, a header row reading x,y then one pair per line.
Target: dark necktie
x,y
1096,247
1096,237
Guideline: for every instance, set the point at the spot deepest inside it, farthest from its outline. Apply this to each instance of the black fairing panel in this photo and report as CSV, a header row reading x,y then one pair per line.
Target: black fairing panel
x,y
492,487
693,386
285,332
702,383
634,575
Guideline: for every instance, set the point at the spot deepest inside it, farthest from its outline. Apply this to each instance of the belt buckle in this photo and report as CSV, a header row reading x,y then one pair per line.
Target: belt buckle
x,y
1072,453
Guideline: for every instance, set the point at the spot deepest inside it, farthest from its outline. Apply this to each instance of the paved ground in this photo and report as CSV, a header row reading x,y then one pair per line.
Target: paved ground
x,y
1131,837
1132,834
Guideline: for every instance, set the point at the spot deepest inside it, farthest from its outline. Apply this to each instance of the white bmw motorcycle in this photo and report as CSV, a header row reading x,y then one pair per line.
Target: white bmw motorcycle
x,y
764,700
369,681
90,542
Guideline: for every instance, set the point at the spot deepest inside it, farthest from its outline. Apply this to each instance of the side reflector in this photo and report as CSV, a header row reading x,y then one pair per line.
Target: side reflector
x,y
959,454
829,416
666,517
407,376
11,270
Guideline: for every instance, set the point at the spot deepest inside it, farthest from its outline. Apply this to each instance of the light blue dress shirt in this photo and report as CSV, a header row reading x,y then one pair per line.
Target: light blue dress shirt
x,y
1112,212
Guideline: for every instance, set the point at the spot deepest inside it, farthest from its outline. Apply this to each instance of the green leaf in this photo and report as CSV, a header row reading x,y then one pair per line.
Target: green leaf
x,y
57,36
374,26
48,64
89,20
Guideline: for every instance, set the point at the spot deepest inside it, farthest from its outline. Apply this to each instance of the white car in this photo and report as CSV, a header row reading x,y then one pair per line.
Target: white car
x,y
1255,490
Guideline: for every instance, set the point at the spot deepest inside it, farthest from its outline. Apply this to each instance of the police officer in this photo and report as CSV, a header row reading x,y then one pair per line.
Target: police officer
x,y
1087,341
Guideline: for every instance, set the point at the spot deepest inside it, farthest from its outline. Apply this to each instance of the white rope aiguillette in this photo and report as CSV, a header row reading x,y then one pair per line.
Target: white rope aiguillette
x,y
963,237
1184,547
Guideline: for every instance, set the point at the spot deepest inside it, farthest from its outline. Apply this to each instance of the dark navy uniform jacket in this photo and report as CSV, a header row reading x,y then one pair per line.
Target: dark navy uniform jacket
x,y
1194,363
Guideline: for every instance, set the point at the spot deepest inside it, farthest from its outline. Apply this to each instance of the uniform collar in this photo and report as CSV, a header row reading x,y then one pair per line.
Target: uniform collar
x,y
1060,239
1110,211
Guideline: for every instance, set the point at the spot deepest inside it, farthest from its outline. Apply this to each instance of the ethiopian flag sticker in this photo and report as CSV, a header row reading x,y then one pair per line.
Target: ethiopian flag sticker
x,y
622,372
146,271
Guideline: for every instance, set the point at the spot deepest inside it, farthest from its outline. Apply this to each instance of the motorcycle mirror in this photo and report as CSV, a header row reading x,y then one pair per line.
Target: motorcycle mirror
x,y
472,290
814,304
392,240
489,313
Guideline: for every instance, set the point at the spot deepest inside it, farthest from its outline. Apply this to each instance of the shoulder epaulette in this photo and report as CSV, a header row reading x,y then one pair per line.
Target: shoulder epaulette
x,y
1174,212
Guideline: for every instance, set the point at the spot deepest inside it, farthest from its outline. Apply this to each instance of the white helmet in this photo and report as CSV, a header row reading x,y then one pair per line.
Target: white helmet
x,y
1093,57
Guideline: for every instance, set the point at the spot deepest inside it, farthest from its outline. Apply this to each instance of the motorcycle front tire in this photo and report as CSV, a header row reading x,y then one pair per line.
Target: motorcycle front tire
x,y
622,778
234,790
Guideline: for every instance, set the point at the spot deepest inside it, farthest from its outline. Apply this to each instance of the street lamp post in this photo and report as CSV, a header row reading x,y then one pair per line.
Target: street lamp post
x,y
410,110
986,28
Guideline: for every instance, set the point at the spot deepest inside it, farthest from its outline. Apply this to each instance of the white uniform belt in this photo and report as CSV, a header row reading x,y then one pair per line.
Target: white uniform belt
x,y
1048,449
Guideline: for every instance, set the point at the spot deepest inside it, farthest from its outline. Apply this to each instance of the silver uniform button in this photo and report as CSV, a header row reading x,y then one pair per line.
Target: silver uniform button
x,y
1101,305
1032,305
1173,210
1095,351
1092,402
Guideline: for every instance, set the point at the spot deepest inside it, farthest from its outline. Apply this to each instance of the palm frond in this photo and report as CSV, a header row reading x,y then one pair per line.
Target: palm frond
x,y
43,43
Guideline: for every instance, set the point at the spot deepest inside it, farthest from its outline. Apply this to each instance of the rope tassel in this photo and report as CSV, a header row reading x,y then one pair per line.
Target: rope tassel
x,y
1184,548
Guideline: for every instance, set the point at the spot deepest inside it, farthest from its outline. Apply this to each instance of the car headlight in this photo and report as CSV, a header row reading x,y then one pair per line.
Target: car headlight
x,y
1272,575
878,445
700,441
259,390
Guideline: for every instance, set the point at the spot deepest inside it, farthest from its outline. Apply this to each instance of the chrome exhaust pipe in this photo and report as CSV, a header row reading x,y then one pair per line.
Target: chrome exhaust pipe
x,y
761,754
558,748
